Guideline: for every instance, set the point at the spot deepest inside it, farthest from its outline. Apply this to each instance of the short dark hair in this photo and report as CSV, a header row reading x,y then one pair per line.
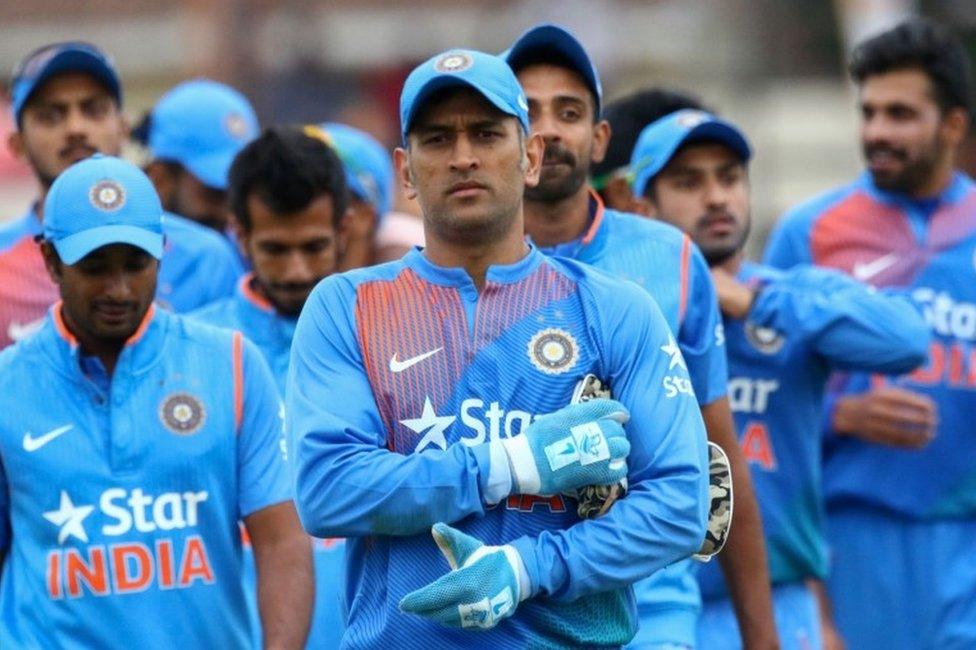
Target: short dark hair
x,y
287,168
630,114
923,44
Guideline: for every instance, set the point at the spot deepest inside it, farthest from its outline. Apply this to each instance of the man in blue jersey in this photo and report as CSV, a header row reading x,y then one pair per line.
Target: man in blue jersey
x,y
565,217
288,195
432,391
121,497
784,333
67,103
899,457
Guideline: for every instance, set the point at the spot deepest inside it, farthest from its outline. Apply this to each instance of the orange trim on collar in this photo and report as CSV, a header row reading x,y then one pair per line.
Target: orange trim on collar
x,y
60,325
253,296
597,218
143,326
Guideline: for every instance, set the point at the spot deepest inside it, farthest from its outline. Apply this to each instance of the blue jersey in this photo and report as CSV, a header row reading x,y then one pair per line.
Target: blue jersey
x,y
400,376
199,266
250,313
804,323
121,497
928,248
665,262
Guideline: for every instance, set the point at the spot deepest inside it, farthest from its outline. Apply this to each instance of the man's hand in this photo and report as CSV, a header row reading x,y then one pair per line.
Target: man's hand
x,y
888,416
581,444
484,586
734,298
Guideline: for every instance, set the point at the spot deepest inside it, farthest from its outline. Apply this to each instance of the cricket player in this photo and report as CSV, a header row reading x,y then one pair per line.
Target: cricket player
x,y
432,391
627,117
133,442
369,177
784,333
900,456
67,104
193,133
566,217
288,195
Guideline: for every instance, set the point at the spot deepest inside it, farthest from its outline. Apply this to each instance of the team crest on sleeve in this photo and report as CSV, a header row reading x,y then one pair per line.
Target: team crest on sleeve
x,y
764,339
182,413
453,62
553,351
107,195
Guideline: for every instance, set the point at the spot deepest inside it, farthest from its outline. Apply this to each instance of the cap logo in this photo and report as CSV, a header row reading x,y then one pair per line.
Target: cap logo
x,y
691,119
107,195
453,62
236,125
182,414
523,104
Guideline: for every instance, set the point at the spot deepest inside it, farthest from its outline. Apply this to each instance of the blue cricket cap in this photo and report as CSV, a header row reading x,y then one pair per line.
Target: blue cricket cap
x,y
548,41
368,166
202,125
58,58
659,141
99,201
486,73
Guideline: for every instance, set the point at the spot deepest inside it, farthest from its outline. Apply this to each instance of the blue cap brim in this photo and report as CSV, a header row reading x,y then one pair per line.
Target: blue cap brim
x,y
68,61
454,81
73,248
712,131
213,169
552,38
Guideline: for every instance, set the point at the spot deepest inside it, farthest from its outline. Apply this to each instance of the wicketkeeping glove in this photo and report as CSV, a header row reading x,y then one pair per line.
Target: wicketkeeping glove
x,y
482,588
580,444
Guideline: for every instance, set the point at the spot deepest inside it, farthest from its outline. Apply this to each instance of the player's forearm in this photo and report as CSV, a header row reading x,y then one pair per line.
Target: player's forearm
x,y
743,560
658,523
348,490
286,591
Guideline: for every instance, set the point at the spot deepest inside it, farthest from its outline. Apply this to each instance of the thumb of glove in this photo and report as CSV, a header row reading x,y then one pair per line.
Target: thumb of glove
x,y
456,546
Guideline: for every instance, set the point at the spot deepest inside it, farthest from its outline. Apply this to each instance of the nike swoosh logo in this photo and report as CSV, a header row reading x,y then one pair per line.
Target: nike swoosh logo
x,y
16,331
866,270
400,366
33,444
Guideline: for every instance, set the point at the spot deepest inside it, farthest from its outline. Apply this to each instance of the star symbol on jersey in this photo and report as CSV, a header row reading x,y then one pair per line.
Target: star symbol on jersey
x,y
69,517
672,350
433,424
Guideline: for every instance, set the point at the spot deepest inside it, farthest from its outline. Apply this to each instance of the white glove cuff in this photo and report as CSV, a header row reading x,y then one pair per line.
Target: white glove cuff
x,y
521,462
524,587
500,482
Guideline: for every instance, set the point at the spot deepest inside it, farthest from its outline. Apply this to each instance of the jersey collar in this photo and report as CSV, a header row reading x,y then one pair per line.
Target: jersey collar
x,y
141,350
458,277
258,316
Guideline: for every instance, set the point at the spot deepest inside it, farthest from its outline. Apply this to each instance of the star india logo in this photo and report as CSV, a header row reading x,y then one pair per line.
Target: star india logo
x,y
553,351
182,413
453,62
107,195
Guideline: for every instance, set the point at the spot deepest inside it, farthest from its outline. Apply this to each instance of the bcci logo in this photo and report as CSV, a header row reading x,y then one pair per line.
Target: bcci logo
x,y
691,119
236,126
182,414
453,62
764,339
107,195
553,351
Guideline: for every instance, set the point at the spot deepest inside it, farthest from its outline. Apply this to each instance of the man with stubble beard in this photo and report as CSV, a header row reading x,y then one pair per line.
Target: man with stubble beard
x,y
565,217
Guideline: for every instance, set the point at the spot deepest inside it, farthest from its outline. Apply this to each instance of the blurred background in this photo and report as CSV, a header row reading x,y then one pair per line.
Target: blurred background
x,y
776,67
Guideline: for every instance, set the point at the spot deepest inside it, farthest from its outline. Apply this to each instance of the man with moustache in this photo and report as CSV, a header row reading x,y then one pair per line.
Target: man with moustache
x,y
565,217
431,391
899,456
132,443
785,332
67,104
288,195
